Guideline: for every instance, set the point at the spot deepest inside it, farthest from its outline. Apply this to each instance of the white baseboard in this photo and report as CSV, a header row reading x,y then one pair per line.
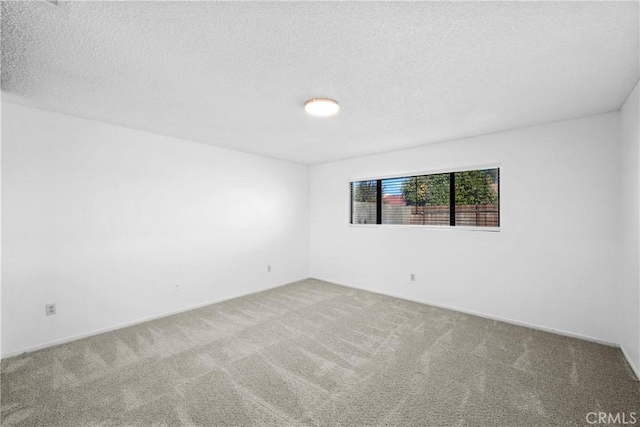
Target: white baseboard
x,y
485,315
634,368
138,321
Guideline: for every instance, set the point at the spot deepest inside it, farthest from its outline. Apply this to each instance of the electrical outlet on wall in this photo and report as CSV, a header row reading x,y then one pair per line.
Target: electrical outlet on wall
x,y
412,276
268,269
50,309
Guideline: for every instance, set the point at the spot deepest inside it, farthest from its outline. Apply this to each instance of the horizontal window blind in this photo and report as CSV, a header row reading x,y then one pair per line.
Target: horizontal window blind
x,y
477,196
364,202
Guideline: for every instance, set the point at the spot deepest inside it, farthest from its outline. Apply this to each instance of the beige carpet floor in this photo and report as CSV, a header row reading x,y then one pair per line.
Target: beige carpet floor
x,y
314,353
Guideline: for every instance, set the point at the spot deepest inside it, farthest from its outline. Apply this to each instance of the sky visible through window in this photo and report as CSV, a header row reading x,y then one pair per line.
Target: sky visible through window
x,y
393,186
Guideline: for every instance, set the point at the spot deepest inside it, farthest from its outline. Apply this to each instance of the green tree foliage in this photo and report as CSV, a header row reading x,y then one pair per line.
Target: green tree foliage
x,y
365,191
427,190
476,187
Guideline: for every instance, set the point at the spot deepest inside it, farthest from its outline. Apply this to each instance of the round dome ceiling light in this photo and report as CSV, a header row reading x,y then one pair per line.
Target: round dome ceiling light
x,y
321,107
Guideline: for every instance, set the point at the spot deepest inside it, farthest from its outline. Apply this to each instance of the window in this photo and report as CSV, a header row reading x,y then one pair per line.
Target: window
x,y
467,198
364,202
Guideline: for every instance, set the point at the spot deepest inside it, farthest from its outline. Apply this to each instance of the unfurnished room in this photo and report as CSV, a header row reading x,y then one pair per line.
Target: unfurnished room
x,y
320,213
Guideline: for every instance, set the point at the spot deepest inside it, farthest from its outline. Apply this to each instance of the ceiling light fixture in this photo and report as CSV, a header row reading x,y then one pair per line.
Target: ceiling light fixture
x,y
321,107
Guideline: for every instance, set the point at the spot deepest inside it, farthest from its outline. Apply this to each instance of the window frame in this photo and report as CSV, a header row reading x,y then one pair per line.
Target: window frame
x,y
426,226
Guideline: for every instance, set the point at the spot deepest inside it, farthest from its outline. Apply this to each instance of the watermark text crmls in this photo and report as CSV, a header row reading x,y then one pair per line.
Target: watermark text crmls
x,y
617,418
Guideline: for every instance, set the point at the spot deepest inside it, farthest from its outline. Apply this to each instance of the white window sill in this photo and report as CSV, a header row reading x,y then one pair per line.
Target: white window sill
x,y
427,227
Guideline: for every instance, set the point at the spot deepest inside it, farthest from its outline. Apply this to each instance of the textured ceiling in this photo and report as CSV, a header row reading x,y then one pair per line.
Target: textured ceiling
x,y
236,74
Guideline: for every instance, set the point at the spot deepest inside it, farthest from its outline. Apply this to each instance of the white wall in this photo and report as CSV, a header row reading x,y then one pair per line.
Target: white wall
x,y
103,220
554,263
630,191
